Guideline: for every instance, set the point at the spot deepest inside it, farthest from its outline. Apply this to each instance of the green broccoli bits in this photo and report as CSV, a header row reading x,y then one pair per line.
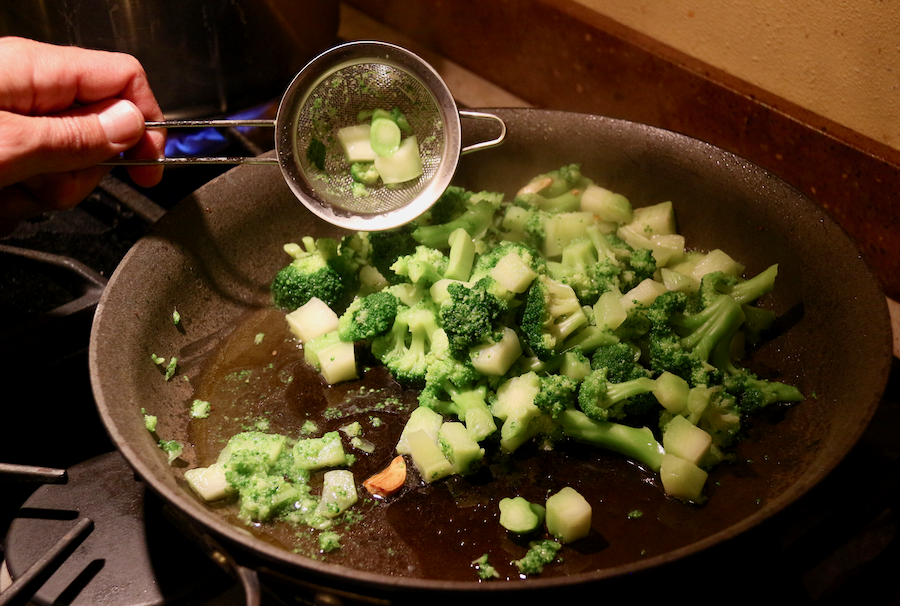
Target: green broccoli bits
x,y
539,554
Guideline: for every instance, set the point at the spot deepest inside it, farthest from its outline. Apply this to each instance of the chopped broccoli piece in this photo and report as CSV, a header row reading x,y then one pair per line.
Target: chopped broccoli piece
x,y
470,315
476,219
423,267
367,317
364,172
485,570
389,245
172,448
602,400
404,348
316,453
329,541
316,271
150,422
200,409
551,313
637,443
519,516
556,191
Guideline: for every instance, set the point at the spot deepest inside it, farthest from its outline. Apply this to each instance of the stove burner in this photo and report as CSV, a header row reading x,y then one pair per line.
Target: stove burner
x,y
133,555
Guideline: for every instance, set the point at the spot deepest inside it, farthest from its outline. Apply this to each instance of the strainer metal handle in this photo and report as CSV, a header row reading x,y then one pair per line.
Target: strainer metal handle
x,y
234,123
210,123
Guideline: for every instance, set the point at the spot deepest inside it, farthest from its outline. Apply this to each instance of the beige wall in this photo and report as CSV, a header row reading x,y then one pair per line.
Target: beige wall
x,y
838,58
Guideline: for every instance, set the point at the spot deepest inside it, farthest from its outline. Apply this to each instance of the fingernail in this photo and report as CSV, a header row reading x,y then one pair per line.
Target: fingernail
x,y
121,122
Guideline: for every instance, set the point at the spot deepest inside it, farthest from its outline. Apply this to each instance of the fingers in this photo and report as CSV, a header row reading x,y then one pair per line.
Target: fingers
x,y
72,140
151,145
40,79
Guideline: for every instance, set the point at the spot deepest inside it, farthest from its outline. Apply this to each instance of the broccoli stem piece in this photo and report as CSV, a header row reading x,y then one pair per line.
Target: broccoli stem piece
x,y
718,322
475,220
601,399
462,255
469,406
633,442
753,288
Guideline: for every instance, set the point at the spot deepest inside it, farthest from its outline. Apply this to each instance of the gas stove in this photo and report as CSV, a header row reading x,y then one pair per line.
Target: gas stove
x,y
70,502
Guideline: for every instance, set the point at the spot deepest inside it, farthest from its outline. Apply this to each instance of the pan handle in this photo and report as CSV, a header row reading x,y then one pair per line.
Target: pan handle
x,y
215,123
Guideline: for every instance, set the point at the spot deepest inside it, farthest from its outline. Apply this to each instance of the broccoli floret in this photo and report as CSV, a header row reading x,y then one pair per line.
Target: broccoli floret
x,y
550,314
558,393
469,405
450,205
452,388
355,248
318,270
602,400
637,443
753,393
666,351
470,315
539,554
640,265
389,245
364,172
580,269
476,219
367,317
423,267
489,259
715,326
743,291
404,348
485,569
621,363
718,415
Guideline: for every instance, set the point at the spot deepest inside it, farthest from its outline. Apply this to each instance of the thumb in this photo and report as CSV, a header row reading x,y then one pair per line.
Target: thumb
x,y
72,140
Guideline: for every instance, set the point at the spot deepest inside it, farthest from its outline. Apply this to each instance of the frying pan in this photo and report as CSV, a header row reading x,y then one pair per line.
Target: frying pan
x,y
213,255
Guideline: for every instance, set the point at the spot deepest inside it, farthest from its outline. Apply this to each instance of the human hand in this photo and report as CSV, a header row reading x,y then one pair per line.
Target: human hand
x,y
63,110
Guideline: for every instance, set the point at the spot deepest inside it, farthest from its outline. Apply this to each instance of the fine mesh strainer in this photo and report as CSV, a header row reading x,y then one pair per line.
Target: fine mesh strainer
x,y
330,93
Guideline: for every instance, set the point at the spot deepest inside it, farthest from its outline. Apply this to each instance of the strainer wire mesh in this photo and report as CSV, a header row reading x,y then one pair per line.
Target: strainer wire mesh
x,y
336,101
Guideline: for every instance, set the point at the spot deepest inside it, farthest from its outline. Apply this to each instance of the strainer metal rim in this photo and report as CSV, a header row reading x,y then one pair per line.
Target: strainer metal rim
x,y
286,132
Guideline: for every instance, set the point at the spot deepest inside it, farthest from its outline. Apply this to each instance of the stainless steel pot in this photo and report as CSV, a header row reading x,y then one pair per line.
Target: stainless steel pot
x,y
202,57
